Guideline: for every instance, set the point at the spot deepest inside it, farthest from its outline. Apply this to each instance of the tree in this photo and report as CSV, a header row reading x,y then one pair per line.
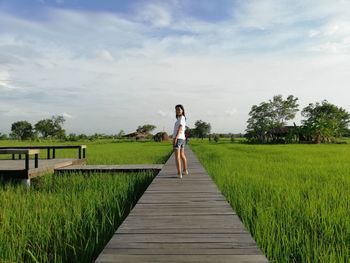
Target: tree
x,y
201,129
283,110
58,122
82,136
51,128
146,128
270,115
44,127
346,134
325,122
72,137
190,132
3,136
216,138
120,134
21,130
260,122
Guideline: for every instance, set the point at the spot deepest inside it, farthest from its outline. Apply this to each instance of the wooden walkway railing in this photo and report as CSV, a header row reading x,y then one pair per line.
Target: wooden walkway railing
x,y
182,220
81,148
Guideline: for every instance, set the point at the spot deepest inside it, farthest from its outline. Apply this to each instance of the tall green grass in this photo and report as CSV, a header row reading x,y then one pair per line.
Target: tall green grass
x,y
66,218
294,199
70,217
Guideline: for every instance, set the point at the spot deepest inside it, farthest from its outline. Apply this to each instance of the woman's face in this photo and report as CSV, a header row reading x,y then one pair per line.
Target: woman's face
x,y
178,111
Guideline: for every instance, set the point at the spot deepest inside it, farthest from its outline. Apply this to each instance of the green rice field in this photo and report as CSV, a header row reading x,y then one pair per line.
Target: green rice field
x,y
294,199
107,151
70,218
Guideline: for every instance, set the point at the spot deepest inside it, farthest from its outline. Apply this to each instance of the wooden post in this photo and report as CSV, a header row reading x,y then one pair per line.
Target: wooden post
x,y
36,161
48,153
53,153
20,156
84,153
13,157
27,162
79,152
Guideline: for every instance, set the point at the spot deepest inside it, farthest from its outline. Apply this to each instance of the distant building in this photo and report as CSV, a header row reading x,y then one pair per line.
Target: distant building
x,y
161,136
138,136
282,131
286,134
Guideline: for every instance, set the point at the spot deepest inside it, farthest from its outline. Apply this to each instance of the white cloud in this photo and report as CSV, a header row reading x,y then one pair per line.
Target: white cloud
x,y
314,33
105,55
333,37
67,115
162,113
165,114
210,113
125,72
231,112
156,15
4,79
17,112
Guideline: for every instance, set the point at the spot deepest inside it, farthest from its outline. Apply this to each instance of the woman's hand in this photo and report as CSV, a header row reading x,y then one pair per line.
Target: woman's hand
x,y
174,141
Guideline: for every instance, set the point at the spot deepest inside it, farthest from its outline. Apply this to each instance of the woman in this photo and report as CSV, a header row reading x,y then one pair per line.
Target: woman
x,y
179,140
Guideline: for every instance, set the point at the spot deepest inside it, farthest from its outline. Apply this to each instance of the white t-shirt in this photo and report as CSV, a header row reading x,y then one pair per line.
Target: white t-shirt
x,y
180,120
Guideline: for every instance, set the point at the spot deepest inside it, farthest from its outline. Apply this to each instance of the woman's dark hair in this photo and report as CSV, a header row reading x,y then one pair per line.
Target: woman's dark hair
x,y
183,110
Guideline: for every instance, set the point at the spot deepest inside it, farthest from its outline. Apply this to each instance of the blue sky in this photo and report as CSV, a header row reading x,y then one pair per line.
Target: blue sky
x,y
111,65
206,10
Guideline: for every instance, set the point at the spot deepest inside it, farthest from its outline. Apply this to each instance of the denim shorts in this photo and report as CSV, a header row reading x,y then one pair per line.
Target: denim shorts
x,y
180,143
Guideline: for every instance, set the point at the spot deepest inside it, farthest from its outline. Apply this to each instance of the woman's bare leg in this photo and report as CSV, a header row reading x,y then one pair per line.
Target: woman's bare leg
x,y
177,160
184,160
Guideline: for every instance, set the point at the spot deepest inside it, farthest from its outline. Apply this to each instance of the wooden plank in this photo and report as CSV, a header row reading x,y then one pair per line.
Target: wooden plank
x,y
109,256
15,169
68,146
182,220
178,207
236,238
19,151
173,245
45,147
175,250
177,229
146,166
110,168
191,221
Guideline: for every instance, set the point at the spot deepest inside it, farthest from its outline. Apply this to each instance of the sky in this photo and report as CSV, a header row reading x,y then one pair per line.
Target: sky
x,y
108,66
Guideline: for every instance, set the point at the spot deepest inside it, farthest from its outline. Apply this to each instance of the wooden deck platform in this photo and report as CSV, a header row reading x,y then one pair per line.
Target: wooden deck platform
x,y
15,169
110,168
182,220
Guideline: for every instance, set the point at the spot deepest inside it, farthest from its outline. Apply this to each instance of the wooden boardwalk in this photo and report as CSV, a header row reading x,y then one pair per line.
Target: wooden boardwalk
x,y
110,168
182,220
16,168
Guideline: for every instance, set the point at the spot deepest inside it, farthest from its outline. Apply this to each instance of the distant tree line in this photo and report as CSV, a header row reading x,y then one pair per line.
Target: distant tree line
x,y
323,122
52,128
45,128
201,130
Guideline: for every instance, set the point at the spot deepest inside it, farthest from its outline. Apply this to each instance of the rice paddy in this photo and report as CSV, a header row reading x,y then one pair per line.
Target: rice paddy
x,y
70,218
294,199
